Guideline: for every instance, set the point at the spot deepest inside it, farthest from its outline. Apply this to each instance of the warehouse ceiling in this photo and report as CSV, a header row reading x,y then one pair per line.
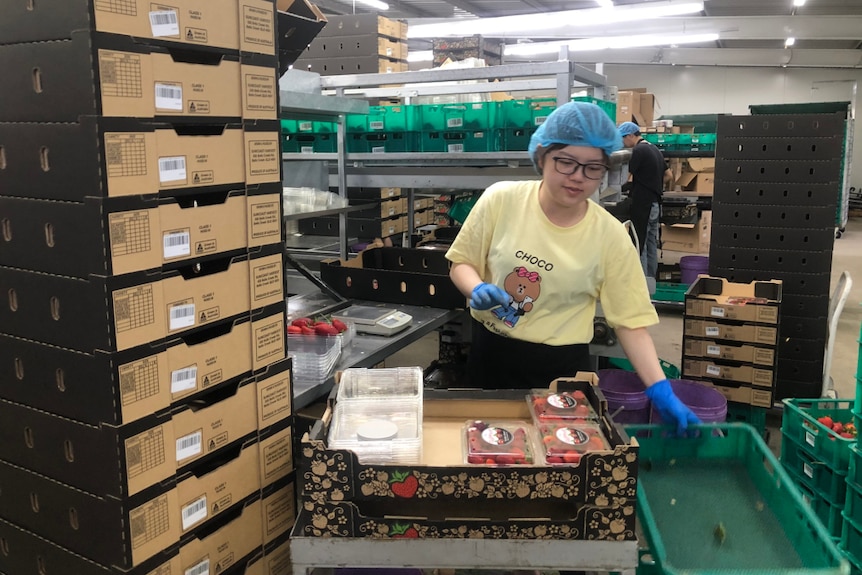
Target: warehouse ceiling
x,y
827,33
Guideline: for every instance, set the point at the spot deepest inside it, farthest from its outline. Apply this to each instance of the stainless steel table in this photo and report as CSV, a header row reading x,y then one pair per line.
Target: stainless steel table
x,y
369,350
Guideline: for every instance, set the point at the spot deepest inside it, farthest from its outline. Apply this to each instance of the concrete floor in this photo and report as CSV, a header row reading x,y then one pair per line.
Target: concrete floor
x,y
847,255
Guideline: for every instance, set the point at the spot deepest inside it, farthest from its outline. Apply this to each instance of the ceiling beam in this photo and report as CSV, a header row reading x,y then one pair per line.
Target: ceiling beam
x,y
346,8
732,57
472,8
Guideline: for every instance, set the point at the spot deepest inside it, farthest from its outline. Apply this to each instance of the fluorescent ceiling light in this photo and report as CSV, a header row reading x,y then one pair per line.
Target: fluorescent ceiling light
x,y
420,56
607,42
370,3
789,42
605,3
525,24
799,2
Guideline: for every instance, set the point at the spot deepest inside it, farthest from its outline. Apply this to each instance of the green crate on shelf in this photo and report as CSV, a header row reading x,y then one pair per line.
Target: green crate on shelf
x,y
669,292
853,503
800,423
514,139
854,474
383,142
817,475
524,113
472,116
851,540
308,126
403,118
311,143
610,108
457,141
722,504
703,138
288,127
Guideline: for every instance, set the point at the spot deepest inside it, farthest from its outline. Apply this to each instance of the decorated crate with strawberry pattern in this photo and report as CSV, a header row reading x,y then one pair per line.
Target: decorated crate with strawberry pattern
x,y
613,521
822,426
599,475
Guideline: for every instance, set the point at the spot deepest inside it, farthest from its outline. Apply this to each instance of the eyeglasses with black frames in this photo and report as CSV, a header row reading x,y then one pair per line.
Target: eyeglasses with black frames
x,y
568,166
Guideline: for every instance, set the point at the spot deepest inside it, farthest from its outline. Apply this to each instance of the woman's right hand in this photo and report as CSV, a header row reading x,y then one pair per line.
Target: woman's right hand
x,y
486,296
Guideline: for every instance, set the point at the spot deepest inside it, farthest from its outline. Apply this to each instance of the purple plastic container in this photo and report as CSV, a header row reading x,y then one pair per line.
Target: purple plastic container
x,y
624,391
691,266
705,402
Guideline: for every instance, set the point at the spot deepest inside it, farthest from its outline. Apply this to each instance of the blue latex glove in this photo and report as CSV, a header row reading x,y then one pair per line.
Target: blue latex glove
x,y
671,409
487,296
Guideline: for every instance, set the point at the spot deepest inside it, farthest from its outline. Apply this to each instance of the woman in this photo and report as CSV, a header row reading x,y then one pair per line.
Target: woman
x,y
534,257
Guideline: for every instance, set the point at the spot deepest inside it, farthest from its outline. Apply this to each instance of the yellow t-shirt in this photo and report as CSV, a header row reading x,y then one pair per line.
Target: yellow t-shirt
x,y
553,275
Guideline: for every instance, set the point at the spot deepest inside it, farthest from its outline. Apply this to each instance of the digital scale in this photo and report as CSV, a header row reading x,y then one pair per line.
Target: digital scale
x,y
375,320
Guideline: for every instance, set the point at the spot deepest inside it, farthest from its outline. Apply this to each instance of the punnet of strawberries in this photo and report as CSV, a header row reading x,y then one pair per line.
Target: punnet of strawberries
x,y
317,326
841,429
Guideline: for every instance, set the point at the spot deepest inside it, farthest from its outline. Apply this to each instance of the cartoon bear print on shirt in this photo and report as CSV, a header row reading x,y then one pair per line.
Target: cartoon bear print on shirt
x,y
523,288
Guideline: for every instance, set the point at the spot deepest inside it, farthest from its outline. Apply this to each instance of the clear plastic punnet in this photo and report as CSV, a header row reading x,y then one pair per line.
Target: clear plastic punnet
x,y
314,356
393,383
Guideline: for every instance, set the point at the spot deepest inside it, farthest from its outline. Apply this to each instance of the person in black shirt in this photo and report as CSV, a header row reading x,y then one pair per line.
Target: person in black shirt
x,y
648,172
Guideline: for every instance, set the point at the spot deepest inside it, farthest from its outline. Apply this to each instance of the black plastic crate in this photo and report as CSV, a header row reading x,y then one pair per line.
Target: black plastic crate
x,y
779,171
778,238
784,215
781,125
765,193
775,148
779,262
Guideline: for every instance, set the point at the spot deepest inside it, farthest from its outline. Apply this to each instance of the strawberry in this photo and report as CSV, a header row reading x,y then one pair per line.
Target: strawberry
x,y
325,329
339,325
403,484
846,435
825,420
838,427
302,322
294,329
307,330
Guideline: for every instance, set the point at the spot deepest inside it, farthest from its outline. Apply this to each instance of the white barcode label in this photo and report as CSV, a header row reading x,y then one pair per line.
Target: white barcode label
x,y
539,120
806,499
164,23
172,169
169,97
809,438
177,244
713,370
184,379
194,512
202,568
305,126
456,148
713,350
306,149
712,331
717,312
454,122
182,316
808,470
378,150
388,51
189,446
378,125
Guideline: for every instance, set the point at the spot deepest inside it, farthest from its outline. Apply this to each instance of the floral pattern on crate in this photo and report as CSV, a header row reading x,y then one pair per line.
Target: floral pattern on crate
x,y
344,519
337,475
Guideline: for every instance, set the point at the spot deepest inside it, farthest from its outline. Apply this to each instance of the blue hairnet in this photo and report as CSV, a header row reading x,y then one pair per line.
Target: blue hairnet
x,y
627,128
577,124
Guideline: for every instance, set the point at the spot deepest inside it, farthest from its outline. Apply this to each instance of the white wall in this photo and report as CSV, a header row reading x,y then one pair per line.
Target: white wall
x,y
723,90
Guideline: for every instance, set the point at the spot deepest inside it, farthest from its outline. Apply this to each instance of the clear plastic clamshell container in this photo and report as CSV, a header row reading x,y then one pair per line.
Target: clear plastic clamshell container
x,y
550,406
394,383
503,442
567,442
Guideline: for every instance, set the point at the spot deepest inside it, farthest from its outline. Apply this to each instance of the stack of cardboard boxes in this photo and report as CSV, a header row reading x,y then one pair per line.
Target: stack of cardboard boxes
x,y
145,392
635,105
357,44
458,49
730,338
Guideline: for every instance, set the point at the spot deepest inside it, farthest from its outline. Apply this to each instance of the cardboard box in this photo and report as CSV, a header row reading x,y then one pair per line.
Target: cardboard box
x,y
716,297
756,396
726,350
628,106
690,238
733,331
717,369
601,475
276,454
299,21
247,26
133,80
104,237
646,109
113,157
373,193
120,388
394,275
239,536
444,519
139,308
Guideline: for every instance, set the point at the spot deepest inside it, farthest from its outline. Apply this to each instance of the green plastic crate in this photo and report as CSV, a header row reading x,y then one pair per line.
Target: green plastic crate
x,y
853,503
703,138
310,143
515,139
524,113
669,292
830,514
610,108
723,504
384,142
817,475
456,141
479,116
854,474
800,423
851,540
307,126
405,118
750,414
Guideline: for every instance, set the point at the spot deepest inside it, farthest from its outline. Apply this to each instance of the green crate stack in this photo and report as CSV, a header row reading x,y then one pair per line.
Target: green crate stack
x,y
382,142
673,292
663,141
818,458
518,119
750,414
306,136
851,537
458,141
476,116
610,108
